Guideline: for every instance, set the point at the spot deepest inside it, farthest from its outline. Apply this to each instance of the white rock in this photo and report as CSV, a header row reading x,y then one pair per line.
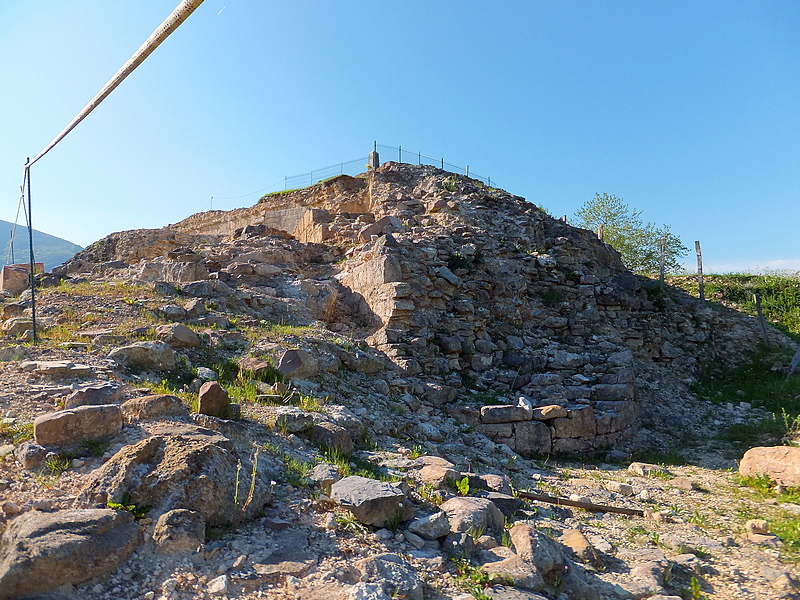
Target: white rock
x,y
218,586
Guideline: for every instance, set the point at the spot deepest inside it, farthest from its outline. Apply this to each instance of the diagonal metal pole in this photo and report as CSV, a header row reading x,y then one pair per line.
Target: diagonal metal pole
x,y
32,273
170,24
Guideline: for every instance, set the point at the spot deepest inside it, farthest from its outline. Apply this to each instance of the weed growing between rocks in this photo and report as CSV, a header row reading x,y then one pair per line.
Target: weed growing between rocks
x,y
138,512
15,432
784,524
96,446
475,580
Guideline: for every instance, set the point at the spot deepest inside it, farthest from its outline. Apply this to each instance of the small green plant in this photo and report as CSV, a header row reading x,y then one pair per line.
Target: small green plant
x,y
637,531
139,512
476,532
16,432
458,261
698,518
695,592
505,539
430,494
701,552
395,520
95,446
462,486
347,522
297,470
787,528
450,184
416,452
55,465
761,483
310,404
473,580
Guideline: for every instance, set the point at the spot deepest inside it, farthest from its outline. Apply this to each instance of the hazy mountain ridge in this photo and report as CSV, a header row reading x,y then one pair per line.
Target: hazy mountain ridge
x,y
49,249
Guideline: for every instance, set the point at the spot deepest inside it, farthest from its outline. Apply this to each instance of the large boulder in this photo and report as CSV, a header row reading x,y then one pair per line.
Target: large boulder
x,y
155,406
372,502
329,435
780,463
213,400
297,364
178,335
188,467
179,531
70,427
145,355
468,514
43,551
398,578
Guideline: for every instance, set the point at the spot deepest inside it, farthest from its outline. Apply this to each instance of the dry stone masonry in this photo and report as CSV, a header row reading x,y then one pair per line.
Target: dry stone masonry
x,y
460,286
407,340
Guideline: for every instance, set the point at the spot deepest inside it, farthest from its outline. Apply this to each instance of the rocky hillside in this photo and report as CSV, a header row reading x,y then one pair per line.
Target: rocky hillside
x,y
402,384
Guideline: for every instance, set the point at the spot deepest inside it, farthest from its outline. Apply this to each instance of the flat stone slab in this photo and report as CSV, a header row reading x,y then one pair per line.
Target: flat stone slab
x,y
43,551
372,502
56,367
291,557
69,427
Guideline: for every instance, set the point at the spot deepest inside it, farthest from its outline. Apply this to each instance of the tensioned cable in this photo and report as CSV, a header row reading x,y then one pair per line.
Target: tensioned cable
x,y
10,256
170,24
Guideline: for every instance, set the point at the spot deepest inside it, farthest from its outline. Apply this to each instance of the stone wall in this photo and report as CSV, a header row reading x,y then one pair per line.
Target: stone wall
x,y
460,285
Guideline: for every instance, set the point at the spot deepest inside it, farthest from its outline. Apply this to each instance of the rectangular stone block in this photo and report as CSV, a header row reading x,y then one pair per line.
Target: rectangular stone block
x,y
532,437
603,423
16,278
579,423
545,413
505,413
571,446
613,391
70,427
496,430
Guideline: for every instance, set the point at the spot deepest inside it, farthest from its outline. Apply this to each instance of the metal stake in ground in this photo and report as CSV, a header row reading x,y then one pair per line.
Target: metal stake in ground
x,y
32,272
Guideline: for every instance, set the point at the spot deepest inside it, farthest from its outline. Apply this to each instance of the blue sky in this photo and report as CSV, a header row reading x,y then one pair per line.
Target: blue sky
x,y
690,111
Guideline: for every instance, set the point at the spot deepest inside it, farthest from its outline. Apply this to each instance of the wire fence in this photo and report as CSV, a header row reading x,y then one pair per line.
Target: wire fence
x,y
418,158
359,165
351,167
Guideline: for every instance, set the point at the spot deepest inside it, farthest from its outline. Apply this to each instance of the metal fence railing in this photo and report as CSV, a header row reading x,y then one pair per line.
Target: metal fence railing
x,y
351,167
418,158
359,165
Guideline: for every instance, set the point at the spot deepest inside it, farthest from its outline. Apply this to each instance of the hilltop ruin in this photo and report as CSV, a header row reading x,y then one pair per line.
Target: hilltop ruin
x,y
463,288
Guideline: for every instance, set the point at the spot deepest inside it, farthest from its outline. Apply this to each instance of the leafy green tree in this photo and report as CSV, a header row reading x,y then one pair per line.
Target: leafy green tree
x,y
638,243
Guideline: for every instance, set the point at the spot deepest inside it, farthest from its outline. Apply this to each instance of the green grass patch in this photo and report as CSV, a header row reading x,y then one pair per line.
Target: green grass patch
x,y
780,295
16,432
765,488
759,385
787,527
755,383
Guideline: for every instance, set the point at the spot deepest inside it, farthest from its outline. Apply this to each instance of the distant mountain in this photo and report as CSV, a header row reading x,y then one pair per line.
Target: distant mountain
x,y
49,249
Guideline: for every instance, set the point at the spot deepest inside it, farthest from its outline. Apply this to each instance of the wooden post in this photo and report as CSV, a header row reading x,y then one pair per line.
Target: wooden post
x,y
761,322
700,271
663,259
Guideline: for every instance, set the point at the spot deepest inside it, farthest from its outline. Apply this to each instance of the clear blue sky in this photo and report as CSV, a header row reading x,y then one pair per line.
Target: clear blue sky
x,y
690,111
